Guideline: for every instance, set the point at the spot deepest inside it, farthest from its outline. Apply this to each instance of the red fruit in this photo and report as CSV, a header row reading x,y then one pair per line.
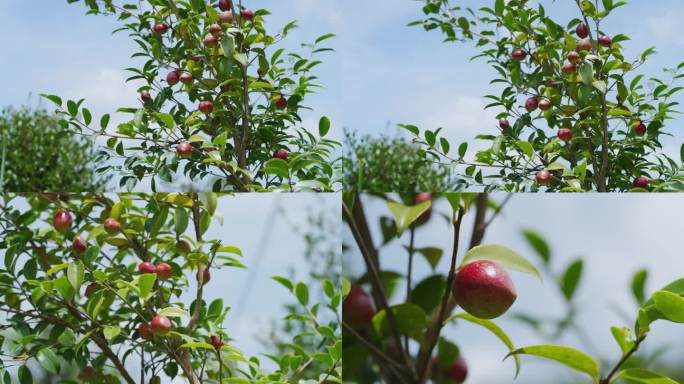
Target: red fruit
x,y
161,325
186,78
90,289
280,154
86,374
582,30
543,177
641,182
145,331
215,29
211,41
206,276
640,129
504,124
111,225
605,41
483,289
531,104
173,77
145,96
225,5
281,102
565,134
247,14
545,105
206,107
216,342
574,57
184,149
358,308
226,17
163,271
584,45
518,55
183,246
62,220
160,28
458,371
569,68
79,244
147,267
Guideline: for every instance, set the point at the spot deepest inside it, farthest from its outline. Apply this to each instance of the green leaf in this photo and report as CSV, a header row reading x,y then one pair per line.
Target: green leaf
x,y
539,245
67,338
586,71
76,273
454,199
167,119
570,278
569,357
197,344
48,360
180,220
600,86
145,283
638,284
432,255
671,305
505,257
302,293
526,148
323,126
411,320
173,312
404,215
644,376
623,336
228,46
110,332
25,376
284,281
427,292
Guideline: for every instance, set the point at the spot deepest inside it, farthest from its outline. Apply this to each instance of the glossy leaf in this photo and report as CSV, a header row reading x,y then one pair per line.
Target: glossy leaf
x,y
569,357
505,257
404,215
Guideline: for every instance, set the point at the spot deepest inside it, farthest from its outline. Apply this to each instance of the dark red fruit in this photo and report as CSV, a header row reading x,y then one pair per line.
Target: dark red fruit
x,y
543,177
112,226
569,68
247,14
504,124
160,28
582,30
483,289
225,5
226,17
186,78
87,374
145,96
145,331
90,289
215,30
173,77
358,308
164,271
640,129
565,134
79,244
206,107
605,41
458,371
584,45
62,220
211,41
147,267
161,325
531,104
281,102
574,57
641,182
518,54
184,149
216,342
545,104
280,154
206,277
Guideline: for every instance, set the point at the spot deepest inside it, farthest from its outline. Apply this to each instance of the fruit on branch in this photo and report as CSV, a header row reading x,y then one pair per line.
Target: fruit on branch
x,y
79,244
145,96
184,150
216,342
531,104
281,102
543,177
147,267
247,14
605,41
504,124
211,40
640,129
280,154
183,247
574,57
226,17
458,370
145,331
173,77
519,54
545,104
565,134
161,325
358,308
206,276
215,30
225,5
641,182
90,289
569,67
164,271
62,220
206,107
160,28
88,373
186,78
112,225
483,289
584,45
582,30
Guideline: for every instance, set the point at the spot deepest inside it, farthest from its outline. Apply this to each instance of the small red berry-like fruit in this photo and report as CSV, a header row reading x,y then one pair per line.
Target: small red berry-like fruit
x,y
145,96
543,177
582,30
173,77
584,45
206,276
90,289
545,104
565,134
358,308
458,370
605,41
569,67
281,102
147,267
161,325
62,220
164,271
574,57
247,14
483,289
206,107
504,124
79,244
184,150
112,225
216,342
280,154
186,78
640,129
183,247
160,28
225,5
518,54
531,104
211,41
226,17
215,30
641,182
145,331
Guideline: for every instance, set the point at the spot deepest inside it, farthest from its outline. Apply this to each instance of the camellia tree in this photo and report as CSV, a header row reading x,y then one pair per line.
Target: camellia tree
x,y
219,100
575,112
91,282
400,340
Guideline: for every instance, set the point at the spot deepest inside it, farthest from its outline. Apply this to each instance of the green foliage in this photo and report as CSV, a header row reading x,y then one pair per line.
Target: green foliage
x,y
40,156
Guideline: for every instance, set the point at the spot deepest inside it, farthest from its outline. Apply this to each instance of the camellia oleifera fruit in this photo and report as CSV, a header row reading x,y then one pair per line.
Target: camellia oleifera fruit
x,y
280,154
79,244
163,271
483,289
543,177
358,308
161,325
145,331
641,182
112,225
458,370
147,267
62,220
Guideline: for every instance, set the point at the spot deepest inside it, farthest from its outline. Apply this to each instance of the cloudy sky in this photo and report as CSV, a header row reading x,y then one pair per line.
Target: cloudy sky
x,y
615,237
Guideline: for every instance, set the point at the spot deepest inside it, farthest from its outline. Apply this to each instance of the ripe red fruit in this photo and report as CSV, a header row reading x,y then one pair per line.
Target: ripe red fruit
x,y
582,30
531,104
211,41
458,370
225,5
145,331
504,124
173,77
605,41
184,149
215,29
186,78
226,17
164,271
247,14
62,220
160,28
111,225
90,289
640,129
574,57
161,325
216,342
545,104
206,107
641,182
584,45
206,276
79,244
518,54
483,289
358,308
280,154
145,96
565,134
543,177
281,102
147,267
569,68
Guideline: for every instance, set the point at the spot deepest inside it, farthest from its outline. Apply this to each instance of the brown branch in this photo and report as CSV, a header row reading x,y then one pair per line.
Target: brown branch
x,y
377,353
102,344
624,358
